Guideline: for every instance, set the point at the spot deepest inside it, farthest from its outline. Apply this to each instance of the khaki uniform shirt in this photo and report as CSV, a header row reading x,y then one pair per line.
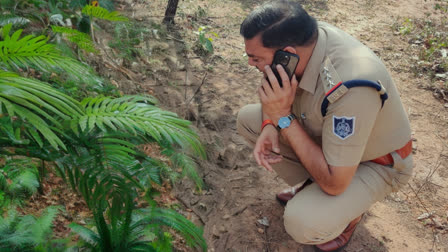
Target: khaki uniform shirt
x,y
356,128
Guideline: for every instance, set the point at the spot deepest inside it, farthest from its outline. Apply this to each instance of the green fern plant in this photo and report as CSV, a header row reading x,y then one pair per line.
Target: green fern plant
x,y
7,4
30,51
107,174
99,154
143,232
102,13
82,40
18,181
187,165
27,233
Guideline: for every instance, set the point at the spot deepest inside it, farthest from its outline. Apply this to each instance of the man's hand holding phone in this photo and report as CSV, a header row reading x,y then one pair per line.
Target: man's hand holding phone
x,y
276,100
288,61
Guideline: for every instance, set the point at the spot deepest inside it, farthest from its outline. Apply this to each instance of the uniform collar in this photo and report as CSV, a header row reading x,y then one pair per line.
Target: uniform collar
x,y
312,70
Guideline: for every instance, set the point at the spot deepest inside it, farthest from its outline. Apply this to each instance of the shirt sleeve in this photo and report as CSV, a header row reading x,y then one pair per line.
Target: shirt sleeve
x,y
348,124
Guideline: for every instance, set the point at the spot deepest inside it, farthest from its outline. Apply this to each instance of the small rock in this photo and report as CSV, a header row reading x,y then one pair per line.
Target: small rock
x,y
68,22
134,66
215,232
260,230
425,216
155,32
442,76
222,229
226,217
57,19
446,105
264,221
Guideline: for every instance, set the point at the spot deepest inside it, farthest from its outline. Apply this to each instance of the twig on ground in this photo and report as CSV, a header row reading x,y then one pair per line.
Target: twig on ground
x,y
121,69
430,216
186,83
175,39
238,211
268,249
197,90
111,64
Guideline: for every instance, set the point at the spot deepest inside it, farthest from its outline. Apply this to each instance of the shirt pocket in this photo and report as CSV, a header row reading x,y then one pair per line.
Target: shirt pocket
x,y
310,118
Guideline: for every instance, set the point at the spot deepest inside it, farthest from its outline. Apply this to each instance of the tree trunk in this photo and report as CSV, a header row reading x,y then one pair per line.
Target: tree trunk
x,y
170,11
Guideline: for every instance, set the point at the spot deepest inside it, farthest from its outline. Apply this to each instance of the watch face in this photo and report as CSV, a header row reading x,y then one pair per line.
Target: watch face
x,y
284,122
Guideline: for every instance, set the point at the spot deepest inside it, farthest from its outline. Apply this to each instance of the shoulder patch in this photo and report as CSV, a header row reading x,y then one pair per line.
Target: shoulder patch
x,y
343,127
328,75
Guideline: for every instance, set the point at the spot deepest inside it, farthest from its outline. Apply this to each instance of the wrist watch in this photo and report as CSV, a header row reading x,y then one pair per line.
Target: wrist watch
x,y
285,122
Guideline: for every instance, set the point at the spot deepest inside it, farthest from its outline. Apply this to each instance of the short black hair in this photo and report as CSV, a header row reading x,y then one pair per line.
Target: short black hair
x,y
281,23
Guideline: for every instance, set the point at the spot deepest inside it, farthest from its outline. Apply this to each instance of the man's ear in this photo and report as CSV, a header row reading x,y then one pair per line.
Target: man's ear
x,y
290,49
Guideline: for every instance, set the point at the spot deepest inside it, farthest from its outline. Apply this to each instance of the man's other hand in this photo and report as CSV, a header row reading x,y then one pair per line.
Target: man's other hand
x,y
267,143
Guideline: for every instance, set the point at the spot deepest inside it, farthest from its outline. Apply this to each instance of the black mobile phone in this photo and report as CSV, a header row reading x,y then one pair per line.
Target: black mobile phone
x,y
288,61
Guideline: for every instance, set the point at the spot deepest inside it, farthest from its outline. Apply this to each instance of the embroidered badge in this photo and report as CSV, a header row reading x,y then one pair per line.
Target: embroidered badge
x,y
343,127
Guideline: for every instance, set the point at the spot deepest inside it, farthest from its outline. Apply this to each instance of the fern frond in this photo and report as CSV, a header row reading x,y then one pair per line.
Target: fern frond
x,y
8,4
37,103
153,172
18,181
101,13
24,233
31,51
170,218
42,228
10,132
188,166
86,234
134,115
27,182
81,39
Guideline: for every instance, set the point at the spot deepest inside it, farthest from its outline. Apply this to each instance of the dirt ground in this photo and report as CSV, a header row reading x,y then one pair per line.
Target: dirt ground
x,y
210,91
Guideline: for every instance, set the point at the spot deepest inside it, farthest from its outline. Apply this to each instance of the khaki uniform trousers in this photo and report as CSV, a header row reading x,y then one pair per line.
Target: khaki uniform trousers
x,y
312,216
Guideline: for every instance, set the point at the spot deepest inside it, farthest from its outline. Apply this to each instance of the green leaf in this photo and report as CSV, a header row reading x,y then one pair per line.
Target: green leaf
x,y
81,39
209,46
86,234
101,13
31,51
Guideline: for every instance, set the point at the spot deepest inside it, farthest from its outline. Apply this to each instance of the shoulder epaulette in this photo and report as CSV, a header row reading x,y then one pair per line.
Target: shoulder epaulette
x,y
335,88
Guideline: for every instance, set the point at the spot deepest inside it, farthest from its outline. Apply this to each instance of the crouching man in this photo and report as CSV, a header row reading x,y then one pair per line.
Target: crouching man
x,y
336,131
